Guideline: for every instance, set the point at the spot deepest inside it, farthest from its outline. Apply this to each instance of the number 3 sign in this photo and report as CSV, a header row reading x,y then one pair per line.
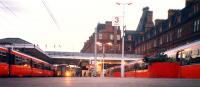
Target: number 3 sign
x,y
116,21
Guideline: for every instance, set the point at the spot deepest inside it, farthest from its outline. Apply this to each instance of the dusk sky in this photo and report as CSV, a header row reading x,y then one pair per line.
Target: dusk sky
x,y
76,19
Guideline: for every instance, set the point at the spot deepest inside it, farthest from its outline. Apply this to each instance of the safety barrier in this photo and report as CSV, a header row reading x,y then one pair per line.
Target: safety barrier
x,y
164,70
117,74
137,73
190,71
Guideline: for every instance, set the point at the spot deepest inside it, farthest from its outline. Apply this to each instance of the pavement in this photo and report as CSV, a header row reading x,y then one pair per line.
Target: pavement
x,y
97,82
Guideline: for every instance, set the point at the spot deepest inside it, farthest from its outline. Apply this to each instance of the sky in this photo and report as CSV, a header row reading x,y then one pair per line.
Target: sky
x,y
73,20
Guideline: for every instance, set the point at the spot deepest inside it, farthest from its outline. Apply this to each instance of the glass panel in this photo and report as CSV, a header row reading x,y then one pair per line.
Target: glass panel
x,y
2,57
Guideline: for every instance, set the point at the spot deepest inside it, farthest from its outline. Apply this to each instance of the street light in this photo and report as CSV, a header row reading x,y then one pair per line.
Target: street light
x,y
123,27
95,52
103,52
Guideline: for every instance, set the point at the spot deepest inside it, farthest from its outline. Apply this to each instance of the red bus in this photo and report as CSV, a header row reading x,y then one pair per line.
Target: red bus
x,y
17,64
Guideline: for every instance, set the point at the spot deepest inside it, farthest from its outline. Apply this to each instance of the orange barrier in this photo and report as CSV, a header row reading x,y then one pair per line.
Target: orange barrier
x,y
190,71
4,69
117,74
130,74
142,73
138,73
164,70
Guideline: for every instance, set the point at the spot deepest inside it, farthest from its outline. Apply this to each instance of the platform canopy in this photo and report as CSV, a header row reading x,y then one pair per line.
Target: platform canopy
x,y
26,47
58,57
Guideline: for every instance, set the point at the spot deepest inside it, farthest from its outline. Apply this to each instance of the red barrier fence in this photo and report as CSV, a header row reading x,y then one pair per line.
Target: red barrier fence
x,y
117,74
190,71
142,74
138,73
164,70
130,74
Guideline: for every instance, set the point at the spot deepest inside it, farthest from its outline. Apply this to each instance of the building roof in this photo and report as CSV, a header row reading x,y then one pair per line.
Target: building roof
x,y
24,47
143,19
100,27
13,41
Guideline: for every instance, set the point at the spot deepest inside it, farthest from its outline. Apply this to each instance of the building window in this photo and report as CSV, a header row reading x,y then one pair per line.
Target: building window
x,y
154,32
160,29
100,36
160,40
167,38
111,36
179,33
196,25
129,48
142,39
118,37
119,48
129,37
196,8
170,38
169,24
179,19
148,36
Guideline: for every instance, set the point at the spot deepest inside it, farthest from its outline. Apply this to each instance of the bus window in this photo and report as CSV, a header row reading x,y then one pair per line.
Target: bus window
x,y
183,55
198,51
39,66
46,67
34,64
2,57
26,62
18,60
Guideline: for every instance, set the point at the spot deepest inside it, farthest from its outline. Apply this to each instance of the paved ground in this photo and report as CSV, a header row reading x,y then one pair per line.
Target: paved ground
x,y
97,82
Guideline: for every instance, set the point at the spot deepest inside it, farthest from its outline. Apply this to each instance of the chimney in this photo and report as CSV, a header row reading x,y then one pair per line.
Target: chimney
x,y
149,23
150,17
158,21
189,2
145,9
109,23
172,12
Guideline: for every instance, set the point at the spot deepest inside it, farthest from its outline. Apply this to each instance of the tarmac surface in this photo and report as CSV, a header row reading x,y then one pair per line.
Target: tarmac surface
x,y
97,82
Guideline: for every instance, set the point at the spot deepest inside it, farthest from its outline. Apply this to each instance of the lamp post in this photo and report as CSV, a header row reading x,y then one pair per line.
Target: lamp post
x,y
103,45
103,52
123,27
95,52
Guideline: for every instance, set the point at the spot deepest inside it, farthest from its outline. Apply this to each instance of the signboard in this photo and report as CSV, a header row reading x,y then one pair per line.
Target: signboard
x,y
116,21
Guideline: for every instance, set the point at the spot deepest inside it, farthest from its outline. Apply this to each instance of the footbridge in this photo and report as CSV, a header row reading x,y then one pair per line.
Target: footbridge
x,y
90,56
75,57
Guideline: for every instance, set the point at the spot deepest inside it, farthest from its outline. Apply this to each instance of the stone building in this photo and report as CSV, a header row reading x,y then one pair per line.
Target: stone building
x,y
106,33
181,27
